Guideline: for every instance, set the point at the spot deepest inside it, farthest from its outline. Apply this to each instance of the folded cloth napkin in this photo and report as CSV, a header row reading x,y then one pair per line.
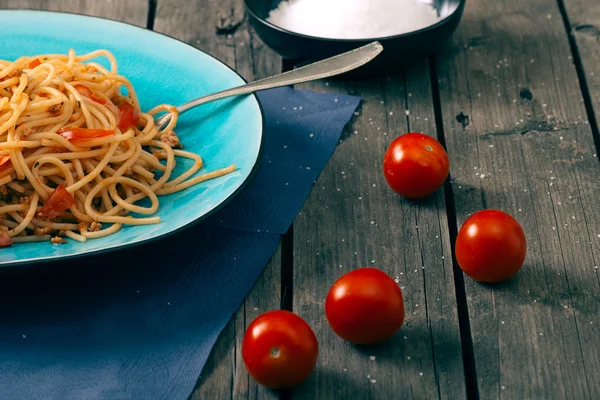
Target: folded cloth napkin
x,y
140,323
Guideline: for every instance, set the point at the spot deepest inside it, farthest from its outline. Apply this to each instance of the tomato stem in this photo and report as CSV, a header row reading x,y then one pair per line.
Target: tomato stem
x,y
275,352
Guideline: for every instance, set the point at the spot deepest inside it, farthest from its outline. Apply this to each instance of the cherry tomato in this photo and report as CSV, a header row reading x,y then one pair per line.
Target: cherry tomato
x,y
490,246
365,306
59,200
415,165
279,349
129,116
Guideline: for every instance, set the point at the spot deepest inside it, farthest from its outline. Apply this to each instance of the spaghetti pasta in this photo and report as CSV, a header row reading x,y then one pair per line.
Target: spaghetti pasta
x,y
76,154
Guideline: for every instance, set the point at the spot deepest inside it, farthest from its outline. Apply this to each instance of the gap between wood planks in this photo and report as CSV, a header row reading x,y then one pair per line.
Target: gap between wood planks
x,y
466,340
287,259
151,14
287,244
583,84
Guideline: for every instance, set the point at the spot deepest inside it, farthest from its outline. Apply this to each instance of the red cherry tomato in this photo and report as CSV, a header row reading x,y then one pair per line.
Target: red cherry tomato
x,y
490,246
59,200
415,165
279,349
365,306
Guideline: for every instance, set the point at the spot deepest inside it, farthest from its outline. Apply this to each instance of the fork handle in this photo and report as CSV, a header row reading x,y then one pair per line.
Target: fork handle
x,y
322,69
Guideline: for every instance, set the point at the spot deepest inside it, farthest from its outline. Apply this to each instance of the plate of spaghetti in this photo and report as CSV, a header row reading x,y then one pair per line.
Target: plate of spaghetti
x,y
83,166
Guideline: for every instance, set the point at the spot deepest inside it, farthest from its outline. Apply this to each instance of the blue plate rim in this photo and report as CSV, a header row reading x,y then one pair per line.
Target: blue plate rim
x,y
31,263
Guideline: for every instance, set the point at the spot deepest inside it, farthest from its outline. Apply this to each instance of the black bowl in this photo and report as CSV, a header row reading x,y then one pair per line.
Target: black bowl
x,y
399,52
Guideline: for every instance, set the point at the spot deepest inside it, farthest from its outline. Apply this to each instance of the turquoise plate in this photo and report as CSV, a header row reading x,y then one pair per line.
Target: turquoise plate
x,y
162,70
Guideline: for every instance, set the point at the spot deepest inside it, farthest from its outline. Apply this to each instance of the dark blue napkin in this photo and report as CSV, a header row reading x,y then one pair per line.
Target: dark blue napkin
x,y
140,323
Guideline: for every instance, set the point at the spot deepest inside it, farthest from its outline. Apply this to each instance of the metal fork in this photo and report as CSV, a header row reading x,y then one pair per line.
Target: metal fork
x,y
322,69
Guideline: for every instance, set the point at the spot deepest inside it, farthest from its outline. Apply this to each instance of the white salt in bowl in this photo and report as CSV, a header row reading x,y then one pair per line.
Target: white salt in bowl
x,y
309,30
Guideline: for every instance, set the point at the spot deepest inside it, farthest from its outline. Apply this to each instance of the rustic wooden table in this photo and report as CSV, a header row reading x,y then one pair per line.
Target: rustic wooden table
x,y
513,100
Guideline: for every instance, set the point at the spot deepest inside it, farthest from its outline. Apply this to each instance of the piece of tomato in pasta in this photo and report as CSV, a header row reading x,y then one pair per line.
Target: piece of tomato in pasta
x,y
34,63
128,117
4,160
59,200
5,240
88,93
73,133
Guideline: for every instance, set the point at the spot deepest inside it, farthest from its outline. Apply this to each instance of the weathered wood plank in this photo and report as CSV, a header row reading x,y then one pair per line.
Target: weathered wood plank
x,y
528,150
584,22
134,12
352,219
220,29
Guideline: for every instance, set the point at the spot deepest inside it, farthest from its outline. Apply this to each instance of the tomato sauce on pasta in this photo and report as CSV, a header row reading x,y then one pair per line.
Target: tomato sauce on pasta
x,y
76,154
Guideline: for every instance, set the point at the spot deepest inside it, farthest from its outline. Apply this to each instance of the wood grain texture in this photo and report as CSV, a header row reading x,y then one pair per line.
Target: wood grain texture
x,y
352,219
527,149
220,29
131,11
584,21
